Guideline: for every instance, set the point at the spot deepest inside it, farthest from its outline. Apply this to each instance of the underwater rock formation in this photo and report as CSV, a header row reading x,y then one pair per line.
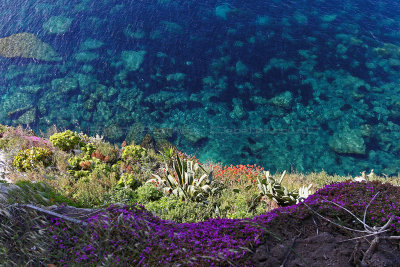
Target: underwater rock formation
x,y
348,142
132,59
27,45
28,117
57,25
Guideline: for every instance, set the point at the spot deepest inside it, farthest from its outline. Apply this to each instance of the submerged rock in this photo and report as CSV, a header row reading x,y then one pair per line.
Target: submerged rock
x,y
133,59
57,24
31,89
16,104
136,133
131,32
194,135
348,141
28,117
27,45
177,77
113,133
86,56
223,10
64,85
241,68
238,111
283,100
90,44
172,27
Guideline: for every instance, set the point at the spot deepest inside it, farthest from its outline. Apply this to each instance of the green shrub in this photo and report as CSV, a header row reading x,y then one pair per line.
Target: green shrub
x,y
32,158
133,153
100,180
147,193
178,210
91,191
122,195
87,148
168,154
106,153
79,166
66,141
244,206
128,180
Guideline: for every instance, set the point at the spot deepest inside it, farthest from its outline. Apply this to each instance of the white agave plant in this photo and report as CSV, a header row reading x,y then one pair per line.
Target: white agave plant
x,y
185,184
280,194
304,192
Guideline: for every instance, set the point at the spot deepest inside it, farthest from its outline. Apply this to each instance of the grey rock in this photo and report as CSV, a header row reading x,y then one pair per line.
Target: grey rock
x,y
348,141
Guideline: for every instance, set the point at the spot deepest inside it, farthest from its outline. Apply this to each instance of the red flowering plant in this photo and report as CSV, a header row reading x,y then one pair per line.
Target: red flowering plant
x,y
187,157
238,175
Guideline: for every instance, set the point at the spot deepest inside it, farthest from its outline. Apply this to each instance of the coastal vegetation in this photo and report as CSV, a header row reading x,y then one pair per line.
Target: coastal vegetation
x,y
79,200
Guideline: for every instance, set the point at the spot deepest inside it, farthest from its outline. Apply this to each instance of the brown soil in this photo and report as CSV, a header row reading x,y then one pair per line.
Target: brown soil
x,y
314,242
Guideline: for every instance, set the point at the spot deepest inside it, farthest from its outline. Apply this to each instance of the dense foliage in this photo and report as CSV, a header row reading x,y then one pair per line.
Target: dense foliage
x,y
31,158
215,217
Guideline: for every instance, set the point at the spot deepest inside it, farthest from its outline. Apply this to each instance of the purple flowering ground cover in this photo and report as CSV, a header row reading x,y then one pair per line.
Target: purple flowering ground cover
x,y
130,235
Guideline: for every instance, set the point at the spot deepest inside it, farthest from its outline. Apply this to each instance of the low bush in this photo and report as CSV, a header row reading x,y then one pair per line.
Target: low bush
x,y
122,195
66,141
128,180
32,158
147,193
92,187
180,211
133,153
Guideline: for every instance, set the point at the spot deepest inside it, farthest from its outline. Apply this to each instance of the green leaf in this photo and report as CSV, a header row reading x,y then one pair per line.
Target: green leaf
x,y
260,188
206,188
202,178
283,175
171,180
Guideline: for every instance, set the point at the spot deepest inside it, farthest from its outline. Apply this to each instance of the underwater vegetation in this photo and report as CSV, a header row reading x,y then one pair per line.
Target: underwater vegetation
x,y
302,86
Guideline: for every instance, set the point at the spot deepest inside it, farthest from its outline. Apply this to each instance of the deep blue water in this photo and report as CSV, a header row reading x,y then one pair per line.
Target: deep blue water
x,y
295,85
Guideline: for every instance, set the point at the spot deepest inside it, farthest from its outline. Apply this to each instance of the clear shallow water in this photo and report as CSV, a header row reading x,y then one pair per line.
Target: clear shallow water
x,y
287,85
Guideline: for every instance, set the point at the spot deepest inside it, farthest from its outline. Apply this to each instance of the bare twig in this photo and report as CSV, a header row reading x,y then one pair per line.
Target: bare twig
x,y
51,213
316,225
345,210
341,226
370,231
364,236
370,250
396,237
366,208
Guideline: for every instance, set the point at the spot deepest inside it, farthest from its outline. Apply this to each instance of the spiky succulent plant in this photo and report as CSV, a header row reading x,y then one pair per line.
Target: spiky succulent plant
x,y
280,194
187,180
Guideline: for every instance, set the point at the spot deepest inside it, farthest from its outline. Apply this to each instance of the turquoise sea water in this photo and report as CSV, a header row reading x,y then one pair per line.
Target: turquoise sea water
x,y
295,85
